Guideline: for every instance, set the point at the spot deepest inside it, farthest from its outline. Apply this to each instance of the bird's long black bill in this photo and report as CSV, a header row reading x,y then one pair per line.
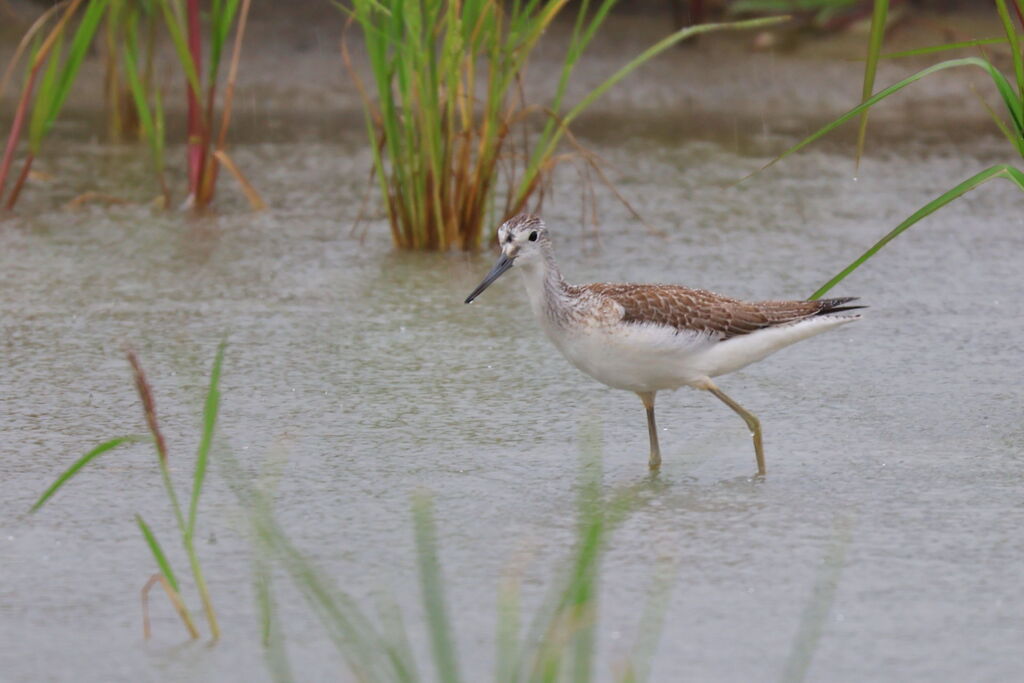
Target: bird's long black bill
x,y
503,264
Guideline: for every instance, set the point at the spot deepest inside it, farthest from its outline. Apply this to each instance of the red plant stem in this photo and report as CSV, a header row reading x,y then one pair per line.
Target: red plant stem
x,y
21,181
19,121
196,154
210,163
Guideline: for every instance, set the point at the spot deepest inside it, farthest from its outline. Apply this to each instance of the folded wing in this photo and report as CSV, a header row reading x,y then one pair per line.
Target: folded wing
x,y
698,310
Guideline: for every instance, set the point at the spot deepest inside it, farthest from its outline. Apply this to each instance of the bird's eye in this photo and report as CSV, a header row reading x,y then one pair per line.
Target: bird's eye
x,y
533,236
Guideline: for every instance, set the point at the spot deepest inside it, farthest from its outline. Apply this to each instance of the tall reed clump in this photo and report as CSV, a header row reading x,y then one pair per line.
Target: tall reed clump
x,y
186,519
130,91
1011,94
557,643
447,115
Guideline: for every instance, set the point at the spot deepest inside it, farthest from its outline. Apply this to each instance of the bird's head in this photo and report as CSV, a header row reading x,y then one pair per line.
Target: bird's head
x,y
522,239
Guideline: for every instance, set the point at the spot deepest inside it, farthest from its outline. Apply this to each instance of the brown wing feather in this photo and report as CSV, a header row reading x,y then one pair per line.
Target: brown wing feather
x,y
703,311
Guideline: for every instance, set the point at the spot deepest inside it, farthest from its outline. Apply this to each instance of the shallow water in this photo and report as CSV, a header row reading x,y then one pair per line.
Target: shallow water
x,y
894,445
360,369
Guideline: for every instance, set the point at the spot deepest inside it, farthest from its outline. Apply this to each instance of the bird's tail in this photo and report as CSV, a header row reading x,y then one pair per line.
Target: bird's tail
x,y
829,306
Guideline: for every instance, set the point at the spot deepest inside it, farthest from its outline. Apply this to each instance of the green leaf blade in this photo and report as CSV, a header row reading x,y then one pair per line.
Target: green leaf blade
x,y
945,47
1002,171
546,150
878,20
76,53
210,410
441,634
158,553
873,100
46,92
104,447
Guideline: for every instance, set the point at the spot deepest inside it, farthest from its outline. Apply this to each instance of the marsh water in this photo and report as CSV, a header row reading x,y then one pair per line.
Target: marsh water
x,y
884,543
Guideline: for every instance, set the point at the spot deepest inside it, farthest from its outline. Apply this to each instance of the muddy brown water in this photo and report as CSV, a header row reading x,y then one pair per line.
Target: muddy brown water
x,y
884,544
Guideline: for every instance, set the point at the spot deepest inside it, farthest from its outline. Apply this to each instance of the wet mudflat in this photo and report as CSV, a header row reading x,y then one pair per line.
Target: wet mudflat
x,y
884,544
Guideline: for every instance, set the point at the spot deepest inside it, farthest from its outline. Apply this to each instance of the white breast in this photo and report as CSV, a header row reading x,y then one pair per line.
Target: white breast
x,y
633,357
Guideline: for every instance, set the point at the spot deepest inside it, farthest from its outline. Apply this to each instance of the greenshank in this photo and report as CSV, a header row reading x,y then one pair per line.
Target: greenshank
x,y
651,338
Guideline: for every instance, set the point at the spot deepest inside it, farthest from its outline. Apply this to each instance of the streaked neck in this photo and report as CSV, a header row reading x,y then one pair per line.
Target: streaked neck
x,y
545,287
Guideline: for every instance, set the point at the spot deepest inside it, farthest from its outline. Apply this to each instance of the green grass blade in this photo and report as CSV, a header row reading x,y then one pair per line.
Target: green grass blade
x,y
222,18
174,27
931,49
875,99
659,47
46,91
507,646
396,641
56,84
878,21
210,409
76,53
583,33
353,634
639,665
159,134
274,651
158,553
1002,171
82,462
580,602
819,604
209,424
351,631
560,639
583,603
1014,38
1012,136
561,636
146,119
1013,103
441,634
645,56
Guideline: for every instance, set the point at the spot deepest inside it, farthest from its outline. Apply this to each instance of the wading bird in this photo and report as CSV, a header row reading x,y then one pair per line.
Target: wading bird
x,y
650,338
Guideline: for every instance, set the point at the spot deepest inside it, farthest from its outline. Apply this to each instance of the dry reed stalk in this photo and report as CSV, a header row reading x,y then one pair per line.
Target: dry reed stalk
x,y
255,200
174,597
220,155
94,198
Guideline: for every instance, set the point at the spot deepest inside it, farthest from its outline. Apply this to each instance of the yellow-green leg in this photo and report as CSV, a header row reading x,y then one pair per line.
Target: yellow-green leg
x,y
652,431
752,422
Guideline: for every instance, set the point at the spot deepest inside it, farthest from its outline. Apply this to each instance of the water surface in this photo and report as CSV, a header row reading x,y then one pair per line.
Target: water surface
x,y
894,445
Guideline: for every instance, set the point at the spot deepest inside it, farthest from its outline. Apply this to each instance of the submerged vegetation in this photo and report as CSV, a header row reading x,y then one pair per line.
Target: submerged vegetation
x,y
186,524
